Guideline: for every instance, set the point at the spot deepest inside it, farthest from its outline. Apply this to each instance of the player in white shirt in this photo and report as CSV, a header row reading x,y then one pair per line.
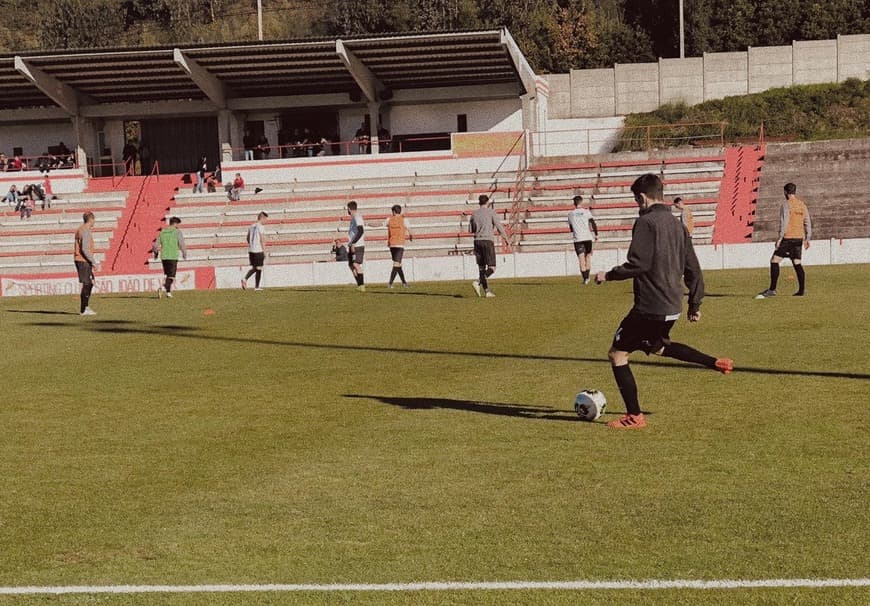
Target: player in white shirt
x,y
356,245
583,229
256,251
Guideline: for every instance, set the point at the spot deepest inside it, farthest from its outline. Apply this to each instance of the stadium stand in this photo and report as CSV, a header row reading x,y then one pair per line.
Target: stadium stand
x,y
830,177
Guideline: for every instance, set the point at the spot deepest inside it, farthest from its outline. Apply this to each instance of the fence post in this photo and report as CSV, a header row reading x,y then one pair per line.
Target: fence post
x,y
648,138
721,134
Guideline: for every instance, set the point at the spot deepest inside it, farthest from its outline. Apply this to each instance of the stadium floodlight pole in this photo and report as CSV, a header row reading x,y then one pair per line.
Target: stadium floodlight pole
x,y
260,20
682,34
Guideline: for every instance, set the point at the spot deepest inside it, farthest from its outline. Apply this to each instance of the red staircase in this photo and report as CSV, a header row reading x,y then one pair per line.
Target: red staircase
x,y
738,194
147,202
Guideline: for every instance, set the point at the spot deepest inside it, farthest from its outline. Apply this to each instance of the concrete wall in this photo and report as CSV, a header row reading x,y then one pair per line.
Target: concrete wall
x,y
769,67
638,87
681,80
496,115
36,138
577,136
593,94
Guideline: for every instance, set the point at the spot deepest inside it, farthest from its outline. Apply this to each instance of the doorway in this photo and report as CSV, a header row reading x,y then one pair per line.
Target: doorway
x,y
178,144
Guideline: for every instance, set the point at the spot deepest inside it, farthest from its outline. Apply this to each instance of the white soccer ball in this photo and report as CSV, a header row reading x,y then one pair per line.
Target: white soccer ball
x,y
590,404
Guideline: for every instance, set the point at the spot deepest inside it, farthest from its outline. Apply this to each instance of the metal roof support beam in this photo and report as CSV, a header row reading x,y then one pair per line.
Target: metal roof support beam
x,y
365,79
63,94
527,75
213,88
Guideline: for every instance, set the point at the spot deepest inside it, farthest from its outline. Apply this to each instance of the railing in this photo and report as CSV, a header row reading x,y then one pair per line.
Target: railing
x,y
591,141
44,162
353,147
155,172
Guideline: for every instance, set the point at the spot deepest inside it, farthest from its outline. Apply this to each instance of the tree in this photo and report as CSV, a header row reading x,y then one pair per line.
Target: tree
x,y
80,24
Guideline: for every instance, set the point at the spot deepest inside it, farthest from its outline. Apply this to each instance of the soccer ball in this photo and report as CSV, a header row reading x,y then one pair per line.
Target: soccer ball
x,y
590,404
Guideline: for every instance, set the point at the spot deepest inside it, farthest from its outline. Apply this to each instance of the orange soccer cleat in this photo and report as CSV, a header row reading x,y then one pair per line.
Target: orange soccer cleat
x,y
629,422
725,365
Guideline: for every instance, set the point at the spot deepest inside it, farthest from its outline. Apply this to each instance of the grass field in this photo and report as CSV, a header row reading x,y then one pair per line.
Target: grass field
x,y
325,436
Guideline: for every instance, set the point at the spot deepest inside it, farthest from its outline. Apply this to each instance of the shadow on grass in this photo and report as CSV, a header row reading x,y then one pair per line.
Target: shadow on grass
x,y
393,292
41,312
186,332
545,413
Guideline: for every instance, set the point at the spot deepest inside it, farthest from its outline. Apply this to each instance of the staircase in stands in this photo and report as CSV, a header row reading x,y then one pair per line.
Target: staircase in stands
x,y
738,196
147,203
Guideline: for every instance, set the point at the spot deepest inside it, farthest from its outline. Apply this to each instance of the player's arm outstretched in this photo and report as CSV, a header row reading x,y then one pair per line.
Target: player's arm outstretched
x,y
694,280
636,262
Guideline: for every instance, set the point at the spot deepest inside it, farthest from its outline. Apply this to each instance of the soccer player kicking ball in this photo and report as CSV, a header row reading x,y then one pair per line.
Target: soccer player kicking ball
x,y
484,223
659,255
795,231
168,244
356,245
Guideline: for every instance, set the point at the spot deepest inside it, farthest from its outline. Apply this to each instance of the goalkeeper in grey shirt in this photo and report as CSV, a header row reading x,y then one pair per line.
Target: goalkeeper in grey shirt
x,y
484,223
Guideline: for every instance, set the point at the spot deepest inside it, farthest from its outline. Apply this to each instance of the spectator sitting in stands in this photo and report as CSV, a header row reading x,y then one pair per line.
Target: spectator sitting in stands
x,y
234,189
17,163
324,147
12,196
4,162
211,184
26,207
339,250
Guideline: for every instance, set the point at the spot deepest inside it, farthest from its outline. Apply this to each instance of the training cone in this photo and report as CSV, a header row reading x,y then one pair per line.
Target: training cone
x,y
208,312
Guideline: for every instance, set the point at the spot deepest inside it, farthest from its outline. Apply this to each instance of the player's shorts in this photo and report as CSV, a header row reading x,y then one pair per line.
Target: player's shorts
x,y
356,255
170,267
86,273
257,259
396,253
640,334
484,252
584,247
790,248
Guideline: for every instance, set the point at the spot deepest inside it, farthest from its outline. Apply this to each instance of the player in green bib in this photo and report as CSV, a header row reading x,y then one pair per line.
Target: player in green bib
x,y
168,245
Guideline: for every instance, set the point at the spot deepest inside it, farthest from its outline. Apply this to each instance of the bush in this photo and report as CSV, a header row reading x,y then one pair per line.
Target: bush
x,y
801,113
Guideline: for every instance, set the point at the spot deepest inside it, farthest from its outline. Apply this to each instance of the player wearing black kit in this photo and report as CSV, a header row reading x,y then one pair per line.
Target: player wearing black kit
x,y
660,255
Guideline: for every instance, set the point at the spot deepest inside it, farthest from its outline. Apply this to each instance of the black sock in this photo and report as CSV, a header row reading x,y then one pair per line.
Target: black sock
x,y
801,276
249,274
627,387
490,271
361,280
774,275
257,275
401,273
393,274
86,296
483,282
585,274
168,284
678,351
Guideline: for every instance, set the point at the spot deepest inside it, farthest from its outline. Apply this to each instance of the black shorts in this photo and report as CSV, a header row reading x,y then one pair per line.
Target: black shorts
x,y
257,259
584,247
356,255
86,272
484,252
396,253
790,248
637,333
170,267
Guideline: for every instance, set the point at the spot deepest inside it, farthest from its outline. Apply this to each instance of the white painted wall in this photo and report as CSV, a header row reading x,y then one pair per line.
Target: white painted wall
x,y
35,138
578,136
519,265
495,115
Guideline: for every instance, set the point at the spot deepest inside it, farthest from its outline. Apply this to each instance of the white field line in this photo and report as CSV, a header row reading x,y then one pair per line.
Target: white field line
x,y
444,586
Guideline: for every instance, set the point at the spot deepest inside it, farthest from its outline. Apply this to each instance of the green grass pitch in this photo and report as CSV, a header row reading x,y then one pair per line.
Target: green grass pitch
x,y
319,435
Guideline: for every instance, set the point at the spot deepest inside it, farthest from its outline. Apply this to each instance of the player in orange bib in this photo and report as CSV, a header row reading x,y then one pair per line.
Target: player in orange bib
x,y
795,231
398,231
